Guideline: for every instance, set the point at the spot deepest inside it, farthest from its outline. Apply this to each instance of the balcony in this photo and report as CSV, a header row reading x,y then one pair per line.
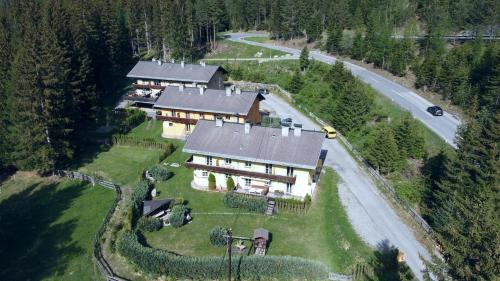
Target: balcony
x,y
148,98
223,170
177,119
141,86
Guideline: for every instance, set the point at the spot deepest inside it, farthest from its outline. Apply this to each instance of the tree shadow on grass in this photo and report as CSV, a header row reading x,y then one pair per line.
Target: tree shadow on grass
x,y
386,266
32,245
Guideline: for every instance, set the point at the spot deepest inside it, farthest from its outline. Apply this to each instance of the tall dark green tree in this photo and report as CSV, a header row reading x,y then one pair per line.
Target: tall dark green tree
x,y
382,152
296,82
304,59
353,109
358,47
409,138
5,62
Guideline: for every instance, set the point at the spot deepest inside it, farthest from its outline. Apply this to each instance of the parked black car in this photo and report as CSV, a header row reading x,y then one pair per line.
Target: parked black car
x,y
435,110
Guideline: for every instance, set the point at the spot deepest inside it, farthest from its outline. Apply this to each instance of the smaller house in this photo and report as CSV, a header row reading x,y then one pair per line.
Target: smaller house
x,y
260,239
151,77
156,208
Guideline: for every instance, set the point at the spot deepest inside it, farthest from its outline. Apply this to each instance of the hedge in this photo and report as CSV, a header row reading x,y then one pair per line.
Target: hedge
x,y
216,236
163,263
249,203
149,224
140,193
177,216
159,173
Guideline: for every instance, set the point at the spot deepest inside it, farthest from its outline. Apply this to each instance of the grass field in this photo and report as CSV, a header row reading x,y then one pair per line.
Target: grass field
x,y
258,39
229,49
47,228
323,234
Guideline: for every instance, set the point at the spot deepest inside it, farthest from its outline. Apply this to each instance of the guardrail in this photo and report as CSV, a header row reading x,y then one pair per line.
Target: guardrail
x,y
375,174
102,264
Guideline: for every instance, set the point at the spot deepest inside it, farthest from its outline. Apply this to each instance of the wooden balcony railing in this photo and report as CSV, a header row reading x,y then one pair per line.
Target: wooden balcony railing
x,y
140,86
223,170
177,119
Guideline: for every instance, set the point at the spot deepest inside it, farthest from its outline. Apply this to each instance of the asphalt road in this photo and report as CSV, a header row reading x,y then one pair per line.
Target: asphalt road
x,y
444,126
369,212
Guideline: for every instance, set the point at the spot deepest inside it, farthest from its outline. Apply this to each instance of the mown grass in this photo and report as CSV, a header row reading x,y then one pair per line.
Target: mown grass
x,y
230,49
323,234
259,39
48,228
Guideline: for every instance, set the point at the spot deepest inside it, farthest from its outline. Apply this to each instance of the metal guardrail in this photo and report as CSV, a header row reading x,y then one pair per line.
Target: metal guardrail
x,y
102,264
375,174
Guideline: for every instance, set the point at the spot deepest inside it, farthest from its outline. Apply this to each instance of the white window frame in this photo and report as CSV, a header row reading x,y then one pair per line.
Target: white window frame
x,y
248,182
204,174
209,161
248,164
228,161
289,171
269,169
289,187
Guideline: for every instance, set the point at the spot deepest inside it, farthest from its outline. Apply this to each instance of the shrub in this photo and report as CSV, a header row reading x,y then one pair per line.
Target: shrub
x,y
167,152
249,203
149,224
140,193
130,118
217,236
307,199
159,173
161,262
178,215
230,184
179,201
211,182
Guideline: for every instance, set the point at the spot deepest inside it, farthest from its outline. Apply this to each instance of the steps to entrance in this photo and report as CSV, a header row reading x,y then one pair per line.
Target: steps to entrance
x,y
271,204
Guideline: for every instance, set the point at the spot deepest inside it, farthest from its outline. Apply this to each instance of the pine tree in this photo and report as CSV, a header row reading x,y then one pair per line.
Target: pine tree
x,y
296,82
334,40
5,61
353,109
382,153
304,59
276,19
358,47
409,138
339,78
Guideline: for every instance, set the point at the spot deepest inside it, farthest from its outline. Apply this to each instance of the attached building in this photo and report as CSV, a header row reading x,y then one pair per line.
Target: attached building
x,y
151,77
282,161
181,107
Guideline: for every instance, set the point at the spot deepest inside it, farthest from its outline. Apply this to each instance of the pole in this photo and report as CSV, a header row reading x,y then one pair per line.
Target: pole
x,y
229,245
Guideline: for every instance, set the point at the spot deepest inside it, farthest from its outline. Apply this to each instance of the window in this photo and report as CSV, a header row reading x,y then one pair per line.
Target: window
x,y
209,160
157,83
289,171
170,124
202,115
228,176
188,127
269,168
228,161
172,113
248,182
248,164
227,117
288,187
204,173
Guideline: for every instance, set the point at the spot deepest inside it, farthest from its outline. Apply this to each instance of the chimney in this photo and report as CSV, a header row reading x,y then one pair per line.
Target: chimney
x,y
247,128
284,130
218,121
202,63
182,63
181,88
153,59
202,90
159,62
172,60
297,130
238,90
228,91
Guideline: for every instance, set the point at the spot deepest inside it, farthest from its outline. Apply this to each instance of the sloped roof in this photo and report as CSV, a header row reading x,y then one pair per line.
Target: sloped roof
x,y
261,144
260,233
212,100
150,206
173,71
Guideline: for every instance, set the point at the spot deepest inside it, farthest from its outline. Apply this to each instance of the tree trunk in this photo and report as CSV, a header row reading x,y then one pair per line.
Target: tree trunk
x,y
148,42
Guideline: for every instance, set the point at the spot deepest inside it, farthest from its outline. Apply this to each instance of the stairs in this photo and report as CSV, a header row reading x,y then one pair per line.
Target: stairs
x,y
271,204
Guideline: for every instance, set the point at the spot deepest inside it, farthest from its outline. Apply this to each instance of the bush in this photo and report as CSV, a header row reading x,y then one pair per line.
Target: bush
x,y
178,215
149,224
230,184
179,201
159,173
130,118
211,181
249,203
163,263
307,199
166,152
217,236
140,193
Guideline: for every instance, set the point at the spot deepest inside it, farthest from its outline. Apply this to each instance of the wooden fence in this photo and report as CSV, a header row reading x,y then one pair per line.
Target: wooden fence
x,y
122,140
383,182
291,206
101,263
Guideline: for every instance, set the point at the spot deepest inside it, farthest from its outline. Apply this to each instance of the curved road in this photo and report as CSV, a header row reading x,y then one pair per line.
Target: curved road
x,y
444,126
371,215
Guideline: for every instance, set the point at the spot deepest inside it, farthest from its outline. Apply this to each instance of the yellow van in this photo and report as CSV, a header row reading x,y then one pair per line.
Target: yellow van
x,y
329,132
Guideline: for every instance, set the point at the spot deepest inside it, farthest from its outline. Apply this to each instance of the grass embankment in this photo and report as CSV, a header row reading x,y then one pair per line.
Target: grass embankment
x,y
315,90
230,50
259,39
48,227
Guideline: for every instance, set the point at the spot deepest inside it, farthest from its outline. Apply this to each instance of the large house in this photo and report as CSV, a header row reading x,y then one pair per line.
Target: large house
x,y
181,107
151,77
274,161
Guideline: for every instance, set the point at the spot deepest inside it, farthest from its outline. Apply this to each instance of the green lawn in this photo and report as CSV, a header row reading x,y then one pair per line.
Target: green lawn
x,y
259,39
47,228
323,234
229,49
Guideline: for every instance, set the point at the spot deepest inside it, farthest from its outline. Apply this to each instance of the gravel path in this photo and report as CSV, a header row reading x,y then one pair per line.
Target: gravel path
x,y
371,215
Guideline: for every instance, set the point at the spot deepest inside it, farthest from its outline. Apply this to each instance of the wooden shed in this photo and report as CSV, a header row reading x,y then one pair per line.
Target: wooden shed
x,y
260,238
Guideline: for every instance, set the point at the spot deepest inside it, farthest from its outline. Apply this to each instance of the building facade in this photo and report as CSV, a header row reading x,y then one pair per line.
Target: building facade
x,y
273,161
180,108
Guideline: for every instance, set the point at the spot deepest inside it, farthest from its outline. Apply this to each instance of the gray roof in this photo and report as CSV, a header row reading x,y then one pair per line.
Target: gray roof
x,y
150,206
212,100
262,144
173,71
260,233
